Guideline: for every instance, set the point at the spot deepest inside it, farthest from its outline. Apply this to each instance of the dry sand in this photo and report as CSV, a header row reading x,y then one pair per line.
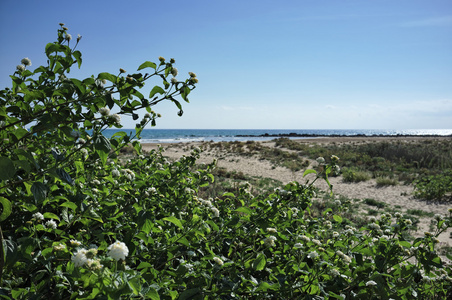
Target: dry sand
x,y
399,197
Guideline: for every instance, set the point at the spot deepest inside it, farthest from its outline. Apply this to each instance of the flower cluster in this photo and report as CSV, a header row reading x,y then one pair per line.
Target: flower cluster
x,y
118,250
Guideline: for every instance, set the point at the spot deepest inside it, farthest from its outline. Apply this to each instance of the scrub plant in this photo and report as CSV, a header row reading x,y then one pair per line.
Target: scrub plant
x,y
78,223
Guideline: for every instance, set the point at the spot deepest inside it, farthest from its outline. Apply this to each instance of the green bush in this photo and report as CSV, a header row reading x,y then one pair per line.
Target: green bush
x,y
386,181
352,175
79,223
434,187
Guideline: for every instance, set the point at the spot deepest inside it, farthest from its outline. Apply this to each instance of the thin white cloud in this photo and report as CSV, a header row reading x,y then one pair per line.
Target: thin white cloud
x,y
430,22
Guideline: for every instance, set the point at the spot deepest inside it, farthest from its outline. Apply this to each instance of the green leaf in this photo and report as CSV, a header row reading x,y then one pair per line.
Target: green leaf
x,y
147,64
78,56
6,209
259,263
156,89
189,294
102,143
103,156
244,209
153,294
135,285
309,171
7,169
64,176
337,218
174,220
50,215
110,77
39,191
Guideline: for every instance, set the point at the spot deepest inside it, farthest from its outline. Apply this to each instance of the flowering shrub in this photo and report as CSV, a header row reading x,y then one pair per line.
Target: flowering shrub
x,y
78,222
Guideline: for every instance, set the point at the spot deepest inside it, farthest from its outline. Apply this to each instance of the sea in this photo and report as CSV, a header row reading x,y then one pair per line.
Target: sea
x,y
229,135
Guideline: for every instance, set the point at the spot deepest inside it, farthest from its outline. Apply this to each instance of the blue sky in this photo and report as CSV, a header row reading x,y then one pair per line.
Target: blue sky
x,y
319,64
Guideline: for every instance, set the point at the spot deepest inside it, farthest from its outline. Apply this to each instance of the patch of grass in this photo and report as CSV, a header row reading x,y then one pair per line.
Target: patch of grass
x,y
373,202
352,175
419,213
386,181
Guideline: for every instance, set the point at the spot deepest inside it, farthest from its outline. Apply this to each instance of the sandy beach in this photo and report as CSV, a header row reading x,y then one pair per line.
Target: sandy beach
x,y
399,196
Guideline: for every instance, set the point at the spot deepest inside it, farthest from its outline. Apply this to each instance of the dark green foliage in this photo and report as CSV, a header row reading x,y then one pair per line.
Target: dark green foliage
x,y
434,187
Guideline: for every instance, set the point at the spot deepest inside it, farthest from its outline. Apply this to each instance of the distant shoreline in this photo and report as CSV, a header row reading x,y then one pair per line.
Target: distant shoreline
x,y
307,135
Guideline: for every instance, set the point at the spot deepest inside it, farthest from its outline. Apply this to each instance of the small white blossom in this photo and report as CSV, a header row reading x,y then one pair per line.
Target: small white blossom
x,y
20,68
313,255
215,211
104,111
218,261
271,230
26,61
371,283
51,224
118,250
174,80
75,243
320,160
68,37
305,238
84,152
59,247
38,216
298,245
115,173
317,242
79,258
174,72
116,118
270,241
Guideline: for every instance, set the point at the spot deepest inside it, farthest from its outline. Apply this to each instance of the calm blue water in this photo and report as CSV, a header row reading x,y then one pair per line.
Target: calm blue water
x,y
219,135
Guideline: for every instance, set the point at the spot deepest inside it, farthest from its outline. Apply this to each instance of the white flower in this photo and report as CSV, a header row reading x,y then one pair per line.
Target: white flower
x,y
305,238
298,245
215,211
334,158
59,247
334,272
20,68
94,264
317,242
118,250
218,261
38,216
75,243
270,241
320,160
51,224
26,61
104,111
174,80
374,226
271,230
79,258
68,37
96,182
371,283
115,173
79,37
335,234
313,255
116,118
174,72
